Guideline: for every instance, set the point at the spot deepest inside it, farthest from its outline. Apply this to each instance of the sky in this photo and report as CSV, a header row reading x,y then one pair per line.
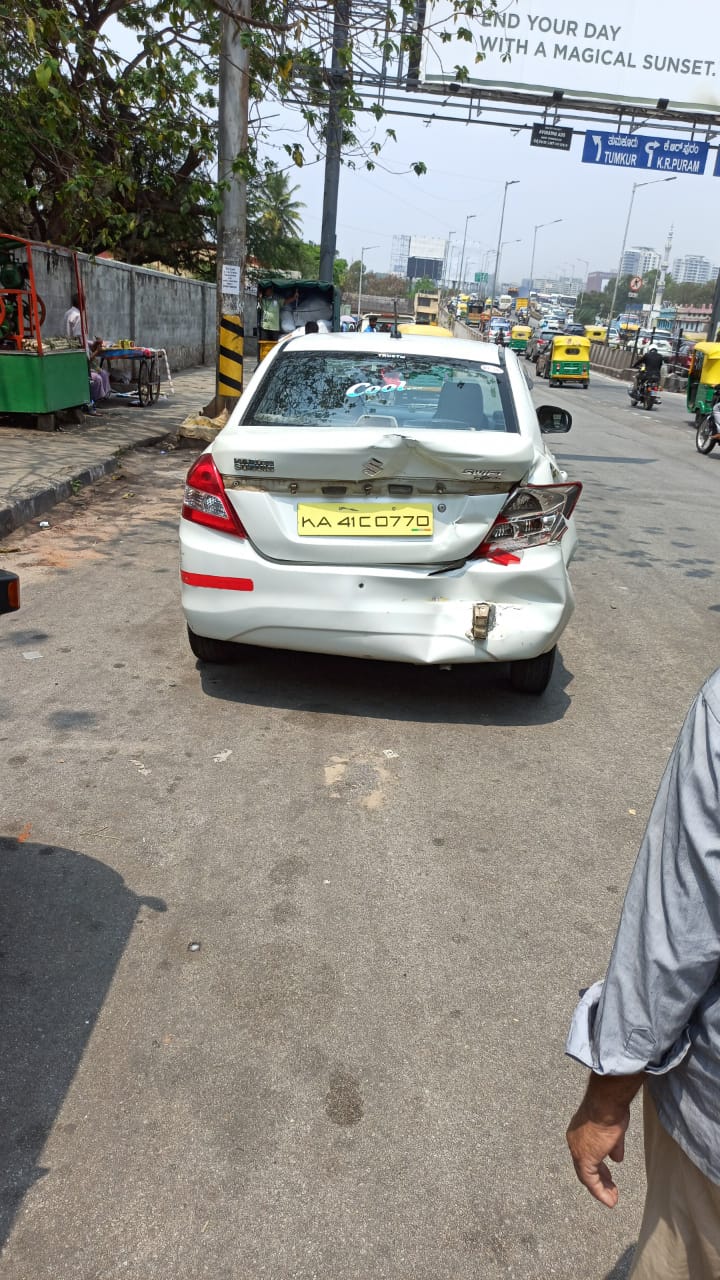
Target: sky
x,y
468,165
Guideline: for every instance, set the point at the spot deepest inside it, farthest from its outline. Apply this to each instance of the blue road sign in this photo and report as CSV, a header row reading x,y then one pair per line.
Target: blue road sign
x,y
645,151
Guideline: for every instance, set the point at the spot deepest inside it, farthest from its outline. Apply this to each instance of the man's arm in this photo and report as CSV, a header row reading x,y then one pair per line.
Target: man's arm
x,y
666,956
597,1131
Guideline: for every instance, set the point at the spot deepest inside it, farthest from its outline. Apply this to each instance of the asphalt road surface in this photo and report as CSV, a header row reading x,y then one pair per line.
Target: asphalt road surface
x,y
289,948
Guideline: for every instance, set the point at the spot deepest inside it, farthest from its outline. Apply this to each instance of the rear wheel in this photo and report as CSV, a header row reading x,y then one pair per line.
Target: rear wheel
x,y
704,436
208,650
533,674
649,400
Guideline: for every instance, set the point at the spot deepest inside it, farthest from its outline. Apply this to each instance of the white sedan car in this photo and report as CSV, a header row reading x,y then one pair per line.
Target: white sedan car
x,y
383,497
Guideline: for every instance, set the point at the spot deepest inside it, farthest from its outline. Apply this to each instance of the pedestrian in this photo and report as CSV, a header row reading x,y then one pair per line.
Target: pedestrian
x,y
371,326
311,326
72,322
654,1023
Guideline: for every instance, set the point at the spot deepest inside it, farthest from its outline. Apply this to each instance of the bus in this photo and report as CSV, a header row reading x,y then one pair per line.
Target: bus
x,y
568,301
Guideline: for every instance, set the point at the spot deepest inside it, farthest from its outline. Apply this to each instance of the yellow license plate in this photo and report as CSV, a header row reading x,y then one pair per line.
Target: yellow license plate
x,y
365,520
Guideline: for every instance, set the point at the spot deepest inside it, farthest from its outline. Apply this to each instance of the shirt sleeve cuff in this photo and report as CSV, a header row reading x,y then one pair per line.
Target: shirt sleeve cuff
x,y
586,1044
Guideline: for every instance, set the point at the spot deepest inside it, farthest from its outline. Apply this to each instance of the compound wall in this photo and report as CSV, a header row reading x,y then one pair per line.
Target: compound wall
x,y
154,308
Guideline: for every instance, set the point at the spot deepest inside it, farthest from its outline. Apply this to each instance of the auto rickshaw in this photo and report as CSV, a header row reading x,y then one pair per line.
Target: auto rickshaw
x,y
566,361
284,305
596,332
519,338
703,378
425,331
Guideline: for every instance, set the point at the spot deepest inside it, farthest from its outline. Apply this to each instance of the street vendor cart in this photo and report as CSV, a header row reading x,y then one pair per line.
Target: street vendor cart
x,y
37,378
145,368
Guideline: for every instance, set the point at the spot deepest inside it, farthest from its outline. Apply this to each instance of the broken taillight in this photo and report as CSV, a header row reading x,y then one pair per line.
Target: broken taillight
x,y
205,501
532,516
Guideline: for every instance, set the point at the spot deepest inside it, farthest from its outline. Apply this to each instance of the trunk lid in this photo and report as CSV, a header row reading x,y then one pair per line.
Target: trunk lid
x,y
369,493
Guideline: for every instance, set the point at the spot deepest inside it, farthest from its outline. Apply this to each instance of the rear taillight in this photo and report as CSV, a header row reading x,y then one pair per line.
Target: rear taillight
x,y
533,515
205,500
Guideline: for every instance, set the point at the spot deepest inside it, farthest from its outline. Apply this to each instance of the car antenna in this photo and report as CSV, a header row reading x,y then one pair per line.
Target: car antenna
x,y
395,332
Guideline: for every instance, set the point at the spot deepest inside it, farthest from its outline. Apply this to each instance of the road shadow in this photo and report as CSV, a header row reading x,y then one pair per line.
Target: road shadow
x,y
318,683
65,920
622,1266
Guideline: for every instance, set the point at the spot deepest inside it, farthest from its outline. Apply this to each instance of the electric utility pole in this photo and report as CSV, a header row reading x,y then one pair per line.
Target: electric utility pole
x,y
333,140
234,73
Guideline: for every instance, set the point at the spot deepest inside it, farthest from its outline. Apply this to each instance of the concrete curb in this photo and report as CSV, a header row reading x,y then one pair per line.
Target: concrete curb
x,y
23,510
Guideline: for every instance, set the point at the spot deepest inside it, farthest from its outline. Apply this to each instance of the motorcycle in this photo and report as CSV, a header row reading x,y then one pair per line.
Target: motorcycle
x,y
645,391
707,433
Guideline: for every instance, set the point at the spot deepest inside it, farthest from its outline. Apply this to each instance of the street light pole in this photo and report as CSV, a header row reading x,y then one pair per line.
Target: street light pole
x,y
365,249
502,246
448,257
462,255
511,183
636,185
586,264
539,227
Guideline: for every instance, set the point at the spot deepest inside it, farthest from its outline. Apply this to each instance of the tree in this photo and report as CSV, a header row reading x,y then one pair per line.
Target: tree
x,y
593,305
109,152
426,285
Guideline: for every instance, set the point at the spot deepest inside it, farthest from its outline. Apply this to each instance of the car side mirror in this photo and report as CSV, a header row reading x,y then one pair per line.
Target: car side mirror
x,y
552,420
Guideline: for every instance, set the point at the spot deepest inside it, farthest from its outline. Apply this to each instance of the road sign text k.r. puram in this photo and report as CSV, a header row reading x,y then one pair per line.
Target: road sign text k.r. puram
x,y
643,151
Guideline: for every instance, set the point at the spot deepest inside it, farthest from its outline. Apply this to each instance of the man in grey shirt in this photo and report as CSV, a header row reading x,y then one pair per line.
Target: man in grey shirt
x,y
655,1020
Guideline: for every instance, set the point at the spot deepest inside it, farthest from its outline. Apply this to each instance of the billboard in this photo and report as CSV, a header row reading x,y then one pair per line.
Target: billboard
x,y
429,268
626,52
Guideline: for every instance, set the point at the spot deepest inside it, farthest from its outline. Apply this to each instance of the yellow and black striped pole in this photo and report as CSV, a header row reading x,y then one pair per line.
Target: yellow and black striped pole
x,y
230,357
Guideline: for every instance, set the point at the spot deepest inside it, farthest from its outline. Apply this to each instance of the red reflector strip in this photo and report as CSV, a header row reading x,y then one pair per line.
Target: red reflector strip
x,y
215,580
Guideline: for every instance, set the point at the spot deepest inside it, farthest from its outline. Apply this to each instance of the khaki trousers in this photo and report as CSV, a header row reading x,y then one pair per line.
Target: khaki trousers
x,y
680,1232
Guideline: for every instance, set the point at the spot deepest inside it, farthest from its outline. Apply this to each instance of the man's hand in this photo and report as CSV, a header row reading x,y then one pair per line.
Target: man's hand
x,y
597,1132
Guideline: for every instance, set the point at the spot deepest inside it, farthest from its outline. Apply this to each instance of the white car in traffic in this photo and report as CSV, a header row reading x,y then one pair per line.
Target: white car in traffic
x,y
383,497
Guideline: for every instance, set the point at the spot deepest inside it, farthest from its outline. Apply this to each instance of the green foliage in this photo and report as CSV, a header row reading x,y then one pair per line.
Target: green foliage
x,y
109,152
102,153
592,306
425,285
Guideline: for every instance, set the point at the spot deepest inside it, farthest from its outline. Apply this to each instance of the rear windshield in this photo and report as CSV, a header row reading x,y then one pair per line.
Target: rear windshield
x,y
342,389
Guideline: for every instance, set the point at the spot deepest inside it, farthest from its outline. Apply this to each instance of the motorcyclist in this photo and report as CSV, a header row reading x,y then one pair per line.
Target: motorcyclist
x,y
649,365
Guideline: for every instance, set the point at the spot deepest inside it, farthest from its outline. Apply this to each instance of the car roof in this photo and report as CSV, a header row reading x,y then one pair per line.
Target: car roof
x,y
385,344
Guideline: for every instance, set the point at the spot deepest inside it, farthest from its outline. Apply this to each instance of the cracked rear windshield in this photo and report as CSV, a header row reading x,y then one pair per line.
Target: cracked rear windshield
x,y
346,389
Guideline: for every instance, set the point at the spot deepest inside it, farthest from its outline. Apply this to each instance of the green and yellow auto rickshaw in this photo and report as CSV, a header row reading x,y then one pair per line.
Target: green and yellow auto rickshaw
x,y
596,332
519,338
567,361
703,378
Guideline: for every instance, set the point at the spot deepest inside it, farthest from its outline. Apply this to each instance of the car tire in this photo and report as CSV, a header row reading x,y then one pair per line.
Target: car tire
x,y
532,675
207,650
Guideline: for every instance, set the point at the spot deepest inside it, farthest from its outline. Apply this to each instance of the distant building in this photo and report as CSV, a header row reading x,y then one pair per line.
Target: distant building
x,y
693,320
598,280
639,261
693,269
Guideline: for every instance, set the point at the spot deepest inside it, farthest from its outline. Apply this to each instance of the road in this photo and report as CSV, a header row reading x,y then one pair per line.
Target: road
x,y
290,948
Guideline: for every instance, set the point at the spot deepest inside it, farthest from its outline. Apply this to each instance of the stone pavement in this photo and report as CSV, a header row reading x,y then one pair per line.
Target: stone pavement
x,y
38,469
